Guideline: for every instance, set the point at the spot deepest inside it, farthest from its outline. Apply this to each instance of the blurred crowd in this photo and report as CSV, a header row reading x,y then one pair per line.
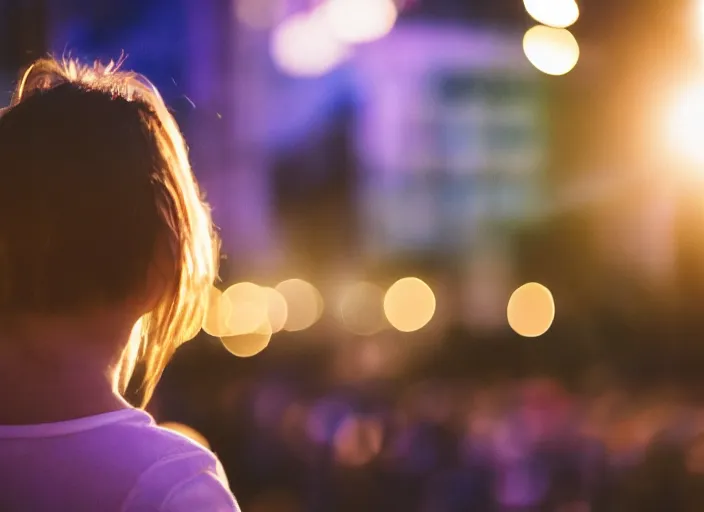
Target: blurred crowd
x,y
294,443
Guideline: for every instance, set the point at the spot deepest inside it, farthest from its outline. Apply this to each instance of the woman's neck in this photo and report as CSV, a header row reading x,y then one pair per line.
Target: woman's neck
x,y
58,371
31,399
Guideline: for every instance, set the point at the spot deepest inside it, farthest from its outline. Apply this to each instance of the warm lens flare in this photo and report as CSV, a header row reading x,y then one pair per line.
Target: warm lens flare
x,y
277,309
360,21
554,51
531,310
249,308
305,304
188,432
685,123
304,46
249,344
409,304
217,314
361,309
555,13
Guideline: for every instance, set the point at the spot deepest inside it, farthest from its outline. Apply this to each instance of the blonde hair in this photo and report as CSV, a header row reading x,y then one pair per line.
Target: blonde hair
x,y
149,163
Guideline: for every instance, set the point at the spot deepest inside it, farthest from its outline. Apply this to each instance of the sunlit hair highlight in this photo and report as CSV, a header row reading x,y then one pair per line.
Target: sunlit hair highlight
x,y
184,222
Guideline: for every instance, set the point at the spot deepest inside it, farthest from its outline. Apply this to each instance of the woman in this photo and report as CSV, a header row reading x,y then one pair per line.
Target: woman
x,y
106,256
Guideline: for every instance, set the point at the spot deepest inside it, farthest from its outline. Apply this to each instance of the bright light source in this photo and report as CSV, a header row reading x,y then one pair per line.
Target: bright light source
x,y
698,19
531,310
305,304
685,124
249,344
360,21
362,309
556,13
303,45
277,309
249,308
409,304
553,51
217,314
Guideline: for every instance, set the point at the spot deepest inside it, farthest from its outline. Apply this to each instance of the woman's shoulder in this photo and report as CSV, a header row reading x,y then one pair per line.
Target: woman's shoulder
x,y
201,491
140,436
180,472
184,482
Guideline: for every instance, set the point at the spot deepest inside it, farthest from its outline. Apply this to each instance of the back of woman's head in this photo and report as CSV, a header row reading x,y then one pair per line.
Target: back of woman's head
x,y
96,195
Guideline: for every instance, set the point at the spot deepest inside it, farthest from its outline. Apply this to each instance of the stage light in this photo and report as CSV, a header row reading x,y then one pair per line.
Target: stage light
x,y
217,314
553,51
697,17
305,304
304,46
361,309
249,308
360,21
249,344
409,304
555,13
277,309
531,310
685,125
